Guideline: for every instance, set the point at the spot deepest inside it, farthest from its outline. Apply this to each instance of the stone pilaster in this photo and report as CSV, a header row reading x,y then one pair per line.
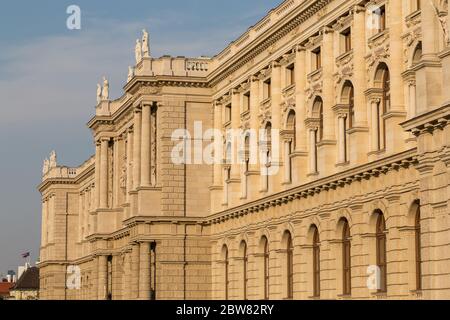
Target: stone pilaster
x,y
145,146
137,147
144,271
104,172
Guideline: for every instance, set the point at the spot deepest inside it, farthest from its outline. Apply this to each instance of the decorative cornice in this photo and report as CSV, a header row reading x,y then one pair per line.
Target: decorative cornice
x,y
395,162
238,61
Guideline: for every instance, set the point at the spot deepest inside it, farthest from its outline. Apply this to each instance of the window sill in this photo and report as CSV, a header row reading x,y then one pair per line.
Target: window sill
x,y
378,35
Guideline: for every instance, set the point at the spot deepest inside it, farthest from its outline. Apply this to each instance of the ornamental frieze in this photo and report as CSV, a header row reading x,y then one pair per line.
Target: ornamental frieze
x,y
345,67
377,55
315,84
410,40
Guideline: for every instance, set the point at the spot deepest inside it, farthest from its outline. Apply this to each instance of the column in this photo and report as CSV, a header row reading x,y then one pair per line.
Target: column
x,y
312,150
137,148
396,55
375,135
328,84
145,146
129,163
97,174
144,272
126,278
235,122
300,105
104,173
276,154
359,77
102,277
276,95
217,144
135,271
117,171
287,161
225,186
254,121
412,99
243,180
342,133
254,125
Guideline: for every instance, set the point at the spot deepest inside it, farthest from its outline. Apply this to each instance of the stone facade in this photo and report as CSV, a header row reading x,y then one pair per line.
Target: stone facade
x,y
359,92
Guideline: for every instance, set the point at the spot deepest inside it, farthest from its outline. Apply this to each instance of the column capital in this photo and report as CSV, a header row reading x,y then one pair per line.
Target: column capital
x,y
137,109
375,100
105,139
326,30
342,115
118,138
298,48
275,64
358,9
254,78
234,91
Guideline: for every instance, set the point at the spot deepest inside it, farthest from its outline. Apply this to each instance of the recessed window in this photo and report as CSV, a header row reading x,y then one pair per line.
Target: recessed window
x,y
290,75
228,113
415,5
267,85
346,37
246,102
317,58
380,19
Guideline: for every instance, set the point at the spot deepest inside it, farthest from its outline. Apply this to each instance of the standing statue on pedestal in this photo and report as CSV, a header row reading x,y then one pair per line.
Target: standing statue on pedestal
x,y
138,51
130,73
105,91
99,93
52,163
145,44
45,167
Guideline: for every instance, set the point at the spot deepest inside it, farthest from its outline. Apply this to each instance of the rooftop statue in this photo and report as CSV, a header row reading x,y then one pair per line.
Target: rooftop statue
x,y
138,51
45,167
99,93
52,159
145,44
105,91
130,73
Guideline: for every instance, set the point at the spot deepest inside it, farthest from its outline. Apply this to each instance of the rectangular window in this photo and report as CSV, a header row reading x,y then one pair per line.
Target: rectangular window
x,y
317,58
246,102
267,85
290,75
380,18
346,40
228,113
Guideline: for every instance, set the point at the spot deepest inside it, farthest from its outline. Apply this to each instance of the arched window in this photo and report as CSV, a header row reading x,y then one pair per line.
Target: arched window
x,y
265,244
383,79
346,259
346,120
418,248
244,268
109,274
381,251
417,57
316,262
290,144
318,114
268,153
289,266
386,91
226,271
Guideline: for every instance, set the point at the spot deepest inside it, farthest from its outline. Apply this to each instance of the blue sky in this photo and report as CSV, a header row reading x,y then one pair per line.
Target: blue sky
x,y
48,78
